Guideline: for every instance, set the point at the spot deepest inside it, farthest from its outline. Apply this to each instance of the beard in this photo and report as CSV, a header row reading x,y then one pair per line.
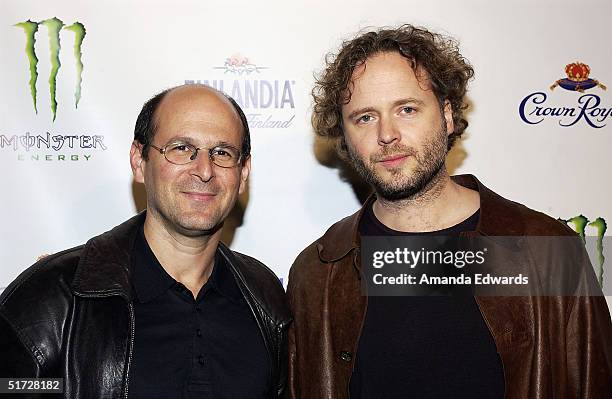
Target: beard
x,y
400,186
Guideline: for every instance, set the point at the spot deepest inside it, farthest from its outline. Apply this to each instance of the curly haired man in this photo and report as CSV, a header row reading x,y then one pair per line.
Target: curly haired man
x,y
393,100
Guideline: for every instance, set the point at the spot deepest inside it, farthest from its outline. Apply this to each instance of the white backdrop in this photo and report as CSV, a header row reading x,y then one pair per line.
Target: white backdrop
x,y
54,198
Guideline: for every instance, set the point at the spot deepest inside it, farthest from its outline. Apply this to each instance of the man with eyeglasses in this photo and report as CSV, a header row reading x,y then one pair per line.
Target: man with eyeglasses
x,y
159,307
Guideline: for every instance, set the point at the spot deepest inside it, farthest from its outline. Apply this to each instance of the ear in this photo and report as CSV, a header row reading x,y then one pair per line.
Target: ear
x,y
448,117
244,174
137,162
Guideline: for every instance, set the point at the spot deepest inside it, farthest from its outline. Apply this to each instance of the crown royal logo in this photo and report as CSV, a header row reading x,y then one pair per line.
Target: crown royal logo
x,y
534,109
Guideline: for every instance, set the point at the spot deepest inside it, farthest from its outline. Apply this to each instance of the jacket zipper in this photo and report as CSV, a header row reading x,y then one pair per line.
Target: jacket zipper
x,y
130,351
279,339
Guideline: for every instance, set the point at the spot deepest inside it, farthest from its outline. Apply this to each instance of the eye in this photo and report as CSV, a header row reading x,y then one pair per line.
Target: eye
x,y
222,152
180,147
408,110
364,118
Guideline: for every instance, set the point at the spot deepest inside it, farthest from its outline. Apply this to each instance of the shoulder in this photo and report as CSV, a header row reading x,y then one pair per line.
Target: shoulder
x,y
258,270
335,244
307,257
48,278
263,285
500,216
36,304
532,222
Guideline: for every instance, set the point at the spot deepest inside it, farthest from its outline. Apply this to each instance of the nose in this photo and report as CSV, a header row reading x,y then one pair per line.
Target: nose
x,y
202,166
388,131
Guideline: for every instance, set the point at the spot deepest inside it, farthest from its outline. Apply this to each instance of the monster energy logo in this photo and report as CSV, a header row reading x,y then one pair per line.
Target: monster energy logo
x,y
580,223
54,26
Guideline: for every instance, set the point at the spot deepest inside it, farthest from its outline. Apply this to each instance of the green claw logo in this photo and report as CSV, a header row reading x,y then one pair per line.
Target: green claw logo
x,y
579,224
54,26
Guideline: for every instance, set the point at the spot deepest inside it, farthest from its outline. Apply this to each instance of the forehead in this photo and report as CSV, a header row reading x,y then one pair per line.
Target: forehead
x,y
201,114
386,77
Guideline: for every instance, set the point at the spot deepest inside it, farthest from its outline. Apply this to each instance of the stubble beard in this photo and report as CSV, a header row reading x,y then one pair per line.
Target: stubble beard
x,y
399,186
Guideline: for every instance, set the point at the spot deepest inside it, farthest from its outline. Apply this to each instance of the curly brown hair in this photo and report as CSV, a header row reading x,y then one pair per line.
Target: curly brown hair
x,y
438,55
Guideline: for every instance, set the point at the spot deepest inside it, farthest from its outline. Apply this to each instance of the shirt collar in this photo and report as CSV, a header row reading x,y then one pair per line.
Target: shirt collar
x,y
151,279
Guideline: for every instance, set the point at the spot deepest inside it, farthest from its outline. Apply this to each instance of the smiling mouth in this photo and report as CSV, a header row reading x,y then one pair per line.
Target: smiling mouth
x,y
198,196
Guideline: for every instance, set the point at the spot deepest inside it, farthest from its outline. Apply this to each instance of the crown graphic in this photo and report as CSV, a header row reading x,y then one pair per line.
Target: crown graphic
x,y
577,78
577,71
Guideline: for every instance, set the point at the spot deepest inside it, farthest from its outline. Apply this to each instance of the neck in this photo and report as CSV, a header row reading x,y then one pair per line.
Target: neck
x,y
441,204
189,260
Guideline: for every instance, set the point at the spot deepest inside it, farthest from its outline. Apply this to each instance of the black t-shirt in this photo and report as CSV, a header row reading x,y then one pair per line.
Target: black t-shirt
x,y
424,346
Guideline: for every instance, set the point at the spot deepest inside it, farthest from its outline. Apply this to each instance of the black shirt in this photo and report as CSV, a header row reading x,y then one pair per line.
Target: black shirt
x,y
207,347
424,347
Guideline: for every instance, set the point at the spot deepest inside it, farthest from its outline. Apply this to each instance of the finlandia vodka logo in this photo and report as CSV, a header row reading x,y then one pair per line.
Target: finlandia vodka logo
x,y
53,26
266,98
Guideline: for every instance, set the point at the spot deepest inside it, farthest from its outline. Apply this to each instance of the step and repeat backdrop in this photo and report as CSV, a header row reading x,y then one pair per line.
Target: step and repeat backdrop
x,y
74,76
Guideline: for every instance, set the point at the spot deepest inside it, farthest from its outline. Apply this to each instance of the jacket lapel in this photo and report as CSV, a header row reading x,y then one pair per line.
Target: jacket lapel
x,y
105,267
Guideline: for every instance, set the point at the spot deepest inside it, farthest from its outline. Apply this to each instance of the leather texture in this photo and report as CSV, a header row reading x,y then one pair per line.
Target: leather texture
x,y
550,346
71,315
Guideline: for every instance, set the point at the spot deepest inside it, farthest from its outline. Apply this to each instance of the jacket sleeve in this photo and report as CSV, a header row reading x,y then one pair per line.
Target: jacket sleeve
x,y
588,336
16,359
589,347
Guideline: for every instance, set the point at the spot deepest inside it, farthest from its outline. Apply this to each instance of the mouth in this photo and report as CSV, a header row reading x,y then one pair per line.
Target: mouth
x,y
199,196
393,161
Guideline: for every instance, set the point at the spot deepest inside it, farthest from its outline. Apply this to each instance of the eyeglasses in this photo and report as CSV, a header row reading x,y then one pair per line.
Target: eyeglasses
x,y
225,156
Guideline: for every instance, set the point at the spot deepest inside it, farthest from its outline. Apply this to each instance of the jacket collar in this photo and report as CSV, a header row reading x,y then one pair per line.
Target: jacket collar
x,y
105,268
343,237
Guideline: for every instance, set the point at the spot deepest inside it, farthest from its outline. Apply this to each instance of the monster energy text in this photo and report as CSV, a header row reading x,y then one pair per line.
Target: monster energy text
x,y
59,142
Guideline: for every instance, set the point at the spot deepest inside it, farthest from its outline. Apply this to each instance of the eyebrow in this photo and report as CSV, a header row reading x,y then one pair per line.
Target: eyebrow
x,y
183,139
409,100
189,140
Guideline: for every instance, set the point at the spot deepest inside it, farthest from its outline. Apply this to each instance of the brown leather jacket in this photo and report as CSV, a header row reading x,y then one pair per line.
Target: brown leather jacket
x,y
550,346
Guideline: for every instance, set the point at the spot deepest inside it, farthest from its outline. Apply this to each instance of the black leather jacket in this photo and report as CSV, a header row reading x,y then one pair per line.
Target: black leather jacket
x,y
71,315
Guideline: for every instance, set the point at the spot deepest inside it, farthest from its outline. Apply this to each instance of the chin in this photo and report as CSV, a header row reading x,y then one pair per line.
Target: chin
x,y
198,224
194,230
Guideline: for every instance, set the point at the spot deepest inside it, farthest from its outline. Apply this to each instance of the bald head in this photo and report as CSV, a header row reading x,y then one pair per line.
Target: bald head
x,y
171,105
